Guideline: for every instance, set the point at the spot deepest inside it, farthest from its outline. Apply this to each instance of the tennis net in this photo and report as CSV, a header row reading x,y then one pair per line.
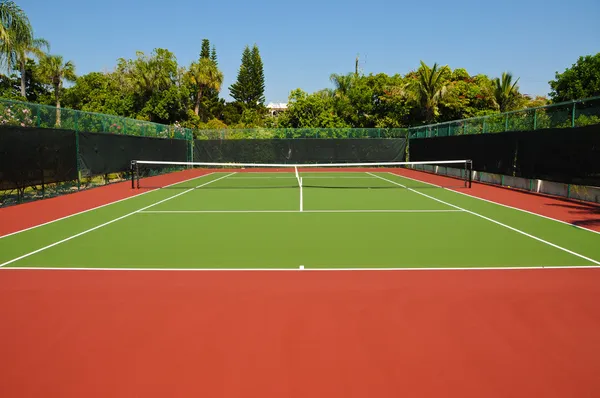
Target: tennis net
x,y
318,175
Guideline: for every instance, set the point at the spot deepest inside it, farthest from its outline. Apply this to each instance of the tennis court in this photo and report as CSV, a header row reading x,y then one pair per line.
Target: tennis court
x,y
338,282
338,219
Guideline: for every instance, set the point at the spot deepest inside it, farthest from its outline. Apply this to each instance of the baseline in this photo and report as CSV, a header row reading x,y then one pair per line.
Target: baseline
x,y
491,220
299,211
305,269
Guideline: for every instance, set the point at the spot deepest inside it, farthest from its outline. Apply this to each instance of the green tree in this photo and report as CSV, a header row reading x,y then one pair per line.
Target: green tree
x,y
16,40
23,50
213,55
581,80
148,74
258,76
506,92
15,29
430,85
156,84
210,105
205,52
101,93
204,75
467,97
53,70
316,110
250,85
342,84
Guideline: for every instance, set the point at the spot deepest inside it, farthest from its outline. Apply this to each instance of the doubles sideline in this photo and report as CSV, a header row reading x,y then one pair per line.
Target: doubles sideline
x,y
487,218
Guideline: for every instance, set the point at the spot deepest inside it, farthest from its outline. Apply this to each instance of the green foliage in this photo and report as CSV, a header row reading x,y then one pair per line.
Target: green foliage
x,y
314,110
205,52
585,120
213,55
582,80
9,88
101,93
467,97
54,71
506,93
249,89
155,85
155,88
429,87
204,76
15,31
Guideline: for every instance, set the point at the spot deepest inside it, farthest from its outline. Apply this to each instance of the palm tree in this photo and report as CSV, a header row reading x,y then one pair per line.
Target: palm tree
x,y
342,83
23,50
15,30
506,92
53,70
430,86
204,74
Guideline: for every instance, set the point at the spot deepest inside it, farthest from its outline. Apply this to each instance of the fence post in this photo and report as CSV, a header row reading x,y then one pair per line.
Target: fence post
x,y
77,153
506,123
573,115
37,117
77,160
483,127
535,119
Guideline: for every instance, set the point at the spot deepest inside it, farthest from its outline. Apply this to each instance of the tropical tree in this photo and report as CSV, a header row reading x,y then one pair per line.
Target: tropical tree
x,y
581,80
15,28
430,86
23,50
204,75
155,83
506,92
342,84
147,74
53,70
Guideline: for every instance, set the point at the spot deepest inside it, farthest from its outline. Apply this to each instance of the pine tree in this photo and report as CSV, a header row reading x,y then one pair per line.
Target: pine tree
x,y
213,55
249,89
258,77
205,52
241,89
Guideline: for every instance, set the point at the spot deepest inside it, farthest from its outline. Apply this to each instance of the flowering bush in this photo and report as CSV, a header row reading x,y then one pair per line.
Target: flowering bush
x,y
16,115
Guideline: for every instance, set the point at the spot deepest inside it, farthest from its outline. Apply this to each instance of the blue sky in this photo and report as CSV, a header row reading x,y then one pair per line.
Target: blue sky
x,y
303,42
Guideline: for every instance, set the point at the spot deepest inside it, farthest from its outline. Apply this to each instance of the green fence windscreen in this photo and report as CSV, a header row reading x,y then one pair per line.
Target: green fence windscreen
x,y
32,156
569,156
300,150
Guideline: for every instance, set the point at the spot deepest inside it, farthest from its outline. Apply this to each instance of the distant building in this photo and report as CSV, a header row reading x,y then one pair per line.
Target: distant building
x,y
275,108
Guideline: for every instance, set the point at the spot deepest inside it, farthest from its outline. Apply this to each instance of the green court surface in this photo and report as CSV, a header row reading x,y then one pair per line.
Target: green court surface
x,y
252,220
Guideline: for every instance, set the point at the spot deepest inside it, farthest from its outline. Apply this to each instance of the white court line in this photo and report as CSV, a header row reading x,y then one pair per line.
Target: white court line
x,y
492,220
98,207
109,222
298,211
346,269
303,176
496,203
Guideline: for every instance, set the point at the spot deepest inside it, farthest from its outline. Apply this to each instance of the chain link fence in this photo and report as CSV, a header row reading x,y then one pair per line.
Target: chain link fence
x,y
578,113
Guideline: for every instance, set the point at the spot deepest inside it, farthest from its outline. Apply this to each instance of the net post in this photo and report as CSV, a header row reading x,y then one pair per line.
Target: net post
x,y
137,173
132,171
470,173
